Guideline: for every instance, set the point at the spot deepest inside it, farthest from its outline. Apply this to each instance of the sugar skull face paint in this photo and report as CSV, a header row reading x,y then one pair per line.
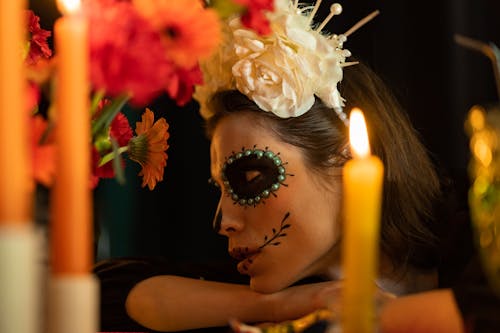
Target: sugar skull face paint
x,y
252,175
285,237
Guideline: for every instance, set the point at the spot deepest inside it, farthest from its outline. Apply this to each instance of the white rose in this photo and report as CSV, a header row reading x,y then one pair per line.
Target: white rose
x,y
247,42
281,72
332,74
324,57
276,80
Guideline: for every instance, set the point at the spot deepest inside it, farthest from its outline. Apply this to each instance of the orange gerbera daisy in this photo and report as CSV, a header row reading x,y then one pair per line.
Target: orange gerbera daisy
x,y
148,148
190,31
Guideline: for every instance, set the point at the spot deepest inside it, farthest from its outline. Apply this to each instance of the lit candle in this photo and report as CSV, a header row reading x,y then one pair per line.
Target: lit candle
x,y
363,179
15,186
71,230
73,290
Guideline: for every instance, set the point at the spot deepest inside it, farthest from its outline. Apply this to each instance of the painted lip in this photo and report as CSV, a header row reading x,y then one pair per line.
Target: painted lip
x,y
245,266
242,253
246,257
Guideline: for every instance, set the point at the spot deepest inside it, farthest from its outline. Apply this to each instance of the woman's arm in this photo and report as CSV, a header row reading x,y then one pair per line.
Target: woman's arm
x,y
172,303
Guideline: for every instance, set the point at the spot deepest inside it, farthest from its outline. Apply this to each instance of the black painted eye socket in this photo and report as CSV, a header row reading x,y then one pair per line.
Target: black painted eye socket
x,y
249,175
252,175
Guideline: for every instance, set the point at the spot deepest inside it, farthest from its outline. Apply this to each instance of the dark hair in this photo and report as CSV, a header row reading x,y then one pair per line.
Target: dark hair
x,y
411,184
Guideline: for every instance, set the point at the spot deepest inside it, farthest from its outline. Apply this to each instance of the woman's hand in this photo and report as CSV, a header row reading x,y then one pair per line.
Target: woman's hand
x,y
297,301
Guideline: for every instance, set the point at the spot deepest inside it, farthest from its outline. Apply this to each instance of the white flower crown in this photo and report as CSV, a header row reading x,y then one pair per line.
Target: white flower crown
x,y
281,72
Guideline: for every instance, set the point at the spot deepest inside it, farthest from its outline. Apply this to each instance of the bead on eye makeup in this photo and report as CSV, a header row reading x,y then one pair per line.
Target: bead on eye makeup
x,y
253,175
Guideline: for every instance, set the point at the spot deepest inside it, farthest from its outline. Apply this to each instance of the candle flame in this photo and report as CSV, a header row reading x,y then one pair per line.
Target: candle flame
x,y
358,136
68,7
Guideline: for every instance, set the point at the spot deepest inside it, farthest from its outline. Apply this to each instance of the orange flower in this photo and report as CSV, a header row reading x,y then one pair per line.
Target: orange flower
x,y
190,32
148,148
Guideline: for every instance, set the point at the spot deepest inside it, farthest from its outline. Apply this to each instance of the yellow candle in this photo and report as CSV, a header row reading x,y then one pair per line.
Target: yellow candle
x,y
15,186
363,179
71,230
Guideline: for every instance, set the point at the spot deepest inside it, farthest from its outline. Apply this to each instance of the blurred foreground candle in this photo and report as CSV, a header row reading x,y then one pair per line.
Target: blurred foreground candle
x,y
19,274
71,240
363,179
15,200
73,301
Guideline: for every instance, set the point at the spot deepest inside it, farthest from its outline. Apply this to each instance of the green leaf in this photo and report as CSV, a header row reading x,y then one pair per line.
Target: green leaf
x,y
117,163
96,98
109,113
226,8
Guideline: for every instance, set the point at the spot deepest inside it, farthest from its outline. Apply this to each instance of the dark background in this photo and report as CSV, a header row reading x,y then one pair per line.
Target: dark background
x,y
410,44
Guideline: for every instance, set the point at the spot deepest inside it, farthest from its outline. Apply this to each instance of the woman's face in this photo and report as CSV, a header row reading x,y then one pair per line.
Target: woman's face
x,y
280,217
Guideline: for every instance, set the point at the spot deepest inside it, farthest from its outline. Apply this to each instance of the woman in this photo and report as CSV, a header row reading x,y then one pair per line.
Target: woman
x,y
277,152
314,148
295,231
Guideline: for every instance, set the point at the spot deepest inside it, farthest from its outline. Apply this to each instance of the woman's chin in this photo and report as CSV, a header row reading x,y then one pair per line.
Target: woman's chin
x,y
266,285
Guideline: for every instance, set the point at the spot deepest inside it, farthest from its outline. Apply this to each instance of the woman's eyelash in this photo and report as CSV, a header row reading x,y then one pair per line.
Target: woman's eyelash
x,y
212,181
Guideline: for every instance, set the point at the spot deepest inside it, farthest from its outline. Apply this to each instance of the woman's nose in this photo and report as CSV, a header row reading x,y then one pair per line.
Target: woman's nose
x,y
217,218
227,222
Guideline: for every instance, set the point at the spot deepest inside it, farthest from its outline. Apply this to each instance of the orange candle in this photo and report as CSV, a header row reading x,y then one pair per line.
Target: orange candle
x,y
15,187
71,230
363,179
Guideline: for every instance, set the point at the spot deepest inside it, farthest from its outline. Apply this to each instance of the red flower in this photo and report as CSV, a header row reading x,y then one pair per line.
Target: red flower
x,y
254,17
190,32
120,130
38,46
181,85
43,152
127,53
257,5
98,172
103,171
32,96
256,21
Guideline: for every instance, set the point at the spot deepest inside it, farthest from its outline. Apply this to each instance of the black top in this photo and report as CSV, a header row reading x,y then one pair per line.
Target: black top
x,y
118,276
477,301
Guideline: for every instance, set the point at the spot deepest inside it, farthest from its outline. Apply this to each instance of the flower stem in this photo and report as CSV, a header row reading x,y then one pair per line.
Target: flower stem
x,y
108,114
111,155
